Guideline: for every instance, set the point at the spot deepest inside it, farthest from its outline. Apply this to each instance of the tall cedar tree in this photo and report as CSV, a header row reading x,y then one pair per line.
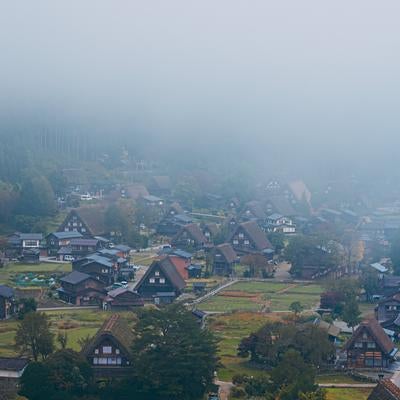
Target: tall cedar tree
x,y
34,336
176,358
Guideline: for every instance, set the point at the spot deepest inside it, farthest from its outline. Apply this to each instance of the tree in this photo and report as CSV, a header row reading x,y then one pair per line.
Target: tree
x,y
266,346
177,358
296,308
25,306
351,313
35,383
293,376
63,375
34,337
37,196
277,240
370,282
395,254
62,339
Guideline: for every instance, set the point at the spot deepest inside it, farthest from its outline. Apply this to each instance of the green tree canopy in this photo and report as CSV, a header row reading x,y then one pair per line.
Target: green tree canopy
x,y
34,337
176,359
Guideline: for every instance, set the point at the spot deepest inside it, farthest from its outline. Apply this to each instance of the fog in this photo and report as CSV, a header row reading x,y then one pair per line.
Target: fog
x,y
298,85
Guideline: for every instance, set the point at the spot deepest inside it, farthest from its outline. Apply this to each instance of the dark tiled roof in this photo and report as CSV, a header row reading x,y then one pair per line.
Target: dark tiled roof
x,y
66,235
152,199
13,364
83,242
6,291
31,236
385,390
115,327
377,332
122,247
75,277
227,252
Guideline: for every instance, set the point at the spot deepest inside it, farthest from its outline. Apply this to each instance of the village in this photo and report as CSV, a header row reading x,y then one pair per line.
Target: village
x,y
235,265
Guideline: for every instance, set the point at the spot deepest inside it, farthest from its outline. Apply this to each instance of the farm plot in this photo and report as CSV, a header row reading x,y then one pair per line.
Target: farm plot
x,y
263,296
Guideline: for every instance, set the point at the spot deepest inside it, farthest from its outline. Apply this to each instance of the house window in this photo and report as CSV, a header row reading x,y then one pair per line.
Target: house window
x,y
241,235
96,351
116,351
83,230
162,280
246,242
102,360
31,243
358,345
95,360
66,230
152,280
104,271
371,345
157,273
107,350
235,241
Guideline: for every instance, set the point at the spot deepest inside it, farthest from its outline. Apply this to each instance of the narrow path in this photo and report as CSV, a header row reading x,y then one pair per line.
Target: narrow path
x,y
214,292
224,389
347,385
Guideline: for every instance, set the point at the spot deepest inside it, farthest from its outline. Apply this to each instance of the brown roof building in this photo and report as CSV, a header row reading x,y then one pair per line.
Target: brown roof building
x,y
108,353
189,237
370,346
224,258
249,238
89,221
385,390
161,283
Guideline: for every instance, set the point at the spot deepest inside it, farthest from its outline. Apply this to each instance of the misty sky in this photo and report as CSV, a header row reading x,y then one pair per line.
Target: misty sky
x,y
314,79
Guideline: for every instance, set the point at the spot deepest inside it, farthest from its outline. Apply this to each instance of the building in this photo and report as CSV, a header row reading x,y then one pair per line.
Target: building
x,y
56,240
224,258
385,390
89,221
153,201
7,302
279,204
97,266
30,256
253,210
210,231
81,289
11,370
109,351
370,347
20,242
161,283
190,237
248,237
279,223
170,225
122,299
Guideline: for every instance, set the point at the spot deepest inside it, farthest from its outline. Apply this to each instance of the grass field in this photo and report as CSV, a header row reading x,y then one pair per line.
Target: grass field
x,y
257,296
82,323
347,394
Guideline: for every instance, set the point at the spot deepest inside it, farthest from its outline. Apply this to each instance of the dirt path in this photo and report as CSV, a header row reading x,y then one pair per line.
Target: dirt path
x,y
224,389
